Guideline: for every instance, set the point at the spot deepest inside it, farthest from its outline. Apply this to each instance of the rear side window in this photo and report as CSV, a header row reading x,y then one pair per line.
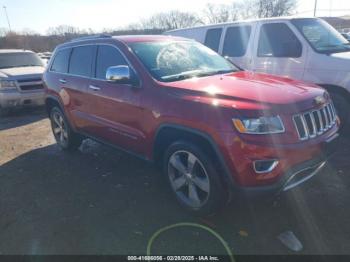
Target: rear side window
x,y
60,62
236,41
212,38
278,40
81,60
107,56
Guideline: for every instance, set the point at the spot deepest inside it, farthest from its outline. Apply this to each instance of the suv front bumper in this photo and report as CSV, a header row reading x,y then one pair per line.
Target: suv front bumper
x,y
14,98
291,179
296,165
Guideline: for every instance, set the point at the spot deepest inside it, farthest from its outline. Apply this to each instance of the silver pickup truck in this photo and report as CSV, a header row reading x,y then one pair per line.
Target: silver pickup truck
x,y
20,79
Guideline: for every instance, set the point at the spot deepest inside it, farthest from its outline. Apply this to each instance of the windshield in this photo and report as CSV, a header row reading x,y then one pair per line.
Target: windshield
x,y
322,36
174,61
10,60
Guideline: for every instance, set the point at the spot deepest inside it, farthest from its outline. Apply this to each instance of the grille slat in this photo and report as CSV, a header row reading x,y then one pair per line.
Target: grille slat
x,y
321,122
326,117
329,116
314,128
316,122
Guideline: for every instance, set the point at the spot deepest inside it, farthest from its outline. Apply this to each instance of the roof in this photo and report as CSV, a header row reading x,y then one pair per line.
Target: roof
x,y
146,38
126,39
280,18
8,51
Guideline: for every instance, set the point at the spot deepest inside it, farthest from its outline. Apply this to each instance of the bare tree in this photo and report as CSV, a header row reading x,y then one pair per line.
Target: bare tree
x,y
156,24
170,20
247,9
274,8
63,30
216,13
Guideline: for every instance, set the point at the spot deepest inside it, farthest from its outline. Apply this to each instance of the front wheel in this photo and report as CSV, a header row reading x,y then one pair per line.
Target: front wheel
x,y
193,178
65,137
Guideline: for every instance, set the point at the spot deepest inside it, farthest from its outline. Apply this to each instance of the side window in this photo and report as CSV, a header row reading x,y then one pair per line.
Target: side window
x,y
212,38
81,60
60,62
278,40
236,41
107,56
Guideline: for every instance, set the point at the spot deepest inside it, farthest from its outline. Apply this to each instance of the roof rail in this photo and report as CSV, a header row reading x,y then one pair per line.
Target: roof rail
x,y
90,37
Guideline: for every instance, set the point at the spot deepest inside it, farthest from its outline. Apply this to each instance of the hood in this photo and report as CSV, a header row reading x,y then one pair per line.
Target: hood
x,y
247,87
331,62
19,72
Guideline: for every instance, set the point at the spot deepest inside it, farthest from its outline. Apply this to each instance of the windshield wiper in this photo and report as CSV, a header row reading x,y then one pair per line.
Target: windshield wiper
x,y
217,72
196,73
181,76
178,77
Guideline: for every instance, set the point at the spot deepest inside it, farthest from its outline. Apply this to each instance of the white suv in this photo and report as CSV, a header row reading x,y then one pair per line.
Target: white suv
x,y
20,79
307,49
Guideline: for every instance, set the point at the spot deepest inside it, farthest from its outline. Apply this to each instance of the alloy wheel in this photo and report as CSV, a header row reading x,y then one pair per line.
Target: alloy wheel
x,y
189,179
59,129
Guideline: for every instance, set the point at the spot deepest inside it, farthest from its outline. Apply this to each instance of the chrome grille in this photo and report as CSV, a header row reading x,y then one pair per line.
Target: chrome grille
x,y
30,84
316,122
31,87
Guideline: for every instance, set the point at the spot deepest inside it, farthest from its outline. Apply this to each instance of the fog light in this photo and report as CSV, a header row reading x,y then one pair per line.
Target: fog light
x,y
265,166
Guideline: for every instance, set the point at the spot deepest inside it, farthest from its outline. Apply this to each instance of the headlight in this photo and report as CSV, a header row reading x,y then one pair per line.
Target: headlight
x,y
259,126
6,85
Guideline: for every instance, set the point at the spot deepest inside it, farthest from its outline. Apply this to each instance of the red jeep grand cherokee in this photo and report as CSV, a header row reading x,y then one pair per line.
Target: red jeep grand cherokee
x,y
213,128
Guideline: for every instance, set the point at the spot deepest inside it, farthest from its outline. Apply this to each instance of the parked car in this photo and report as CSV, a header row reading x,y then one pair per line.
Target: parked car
x,y
45,57
212,128
20,79
307,49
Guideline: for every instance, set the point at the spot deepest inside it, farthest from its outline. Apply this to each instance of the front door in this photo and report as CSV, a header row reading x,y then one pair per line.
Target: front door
x,y
278,51
237,44
115,107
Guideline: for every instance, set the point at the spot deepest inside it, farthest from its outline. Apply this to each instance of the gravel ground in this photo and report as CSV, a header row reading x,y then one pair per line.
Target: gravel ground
x,y
101,201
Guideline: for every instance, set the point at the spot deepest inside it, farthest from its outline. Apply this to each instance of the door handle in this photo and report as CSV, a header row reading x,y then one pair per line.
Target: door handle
x,y
63,81
95,88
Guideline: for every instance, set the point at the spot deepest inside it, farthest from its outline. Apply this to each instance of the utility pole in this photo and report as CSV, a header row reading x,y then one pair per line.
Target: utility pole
x,y
7,17
315,8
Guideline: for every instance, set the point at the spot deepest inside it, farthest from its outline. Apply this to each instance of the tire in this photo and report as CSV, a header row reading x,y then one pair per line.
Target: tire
x,y
197,186
65,137
343,110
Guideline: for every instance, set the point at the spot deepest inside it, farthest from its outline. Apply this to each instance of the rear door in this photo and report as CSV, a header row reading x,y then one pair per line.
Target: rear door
x,y
114,107
279,51
237,44
77,81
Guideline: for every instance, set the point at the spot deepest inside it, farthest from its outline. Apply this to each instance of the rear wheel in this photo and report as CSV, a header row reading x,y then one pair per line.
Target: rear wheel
x,y
65,137
193,178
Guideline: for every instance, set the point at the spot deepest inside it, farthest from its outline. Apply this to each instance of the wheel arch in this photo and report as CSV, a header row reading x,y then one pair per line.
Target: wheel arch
x,y
52,101
169,133
337,89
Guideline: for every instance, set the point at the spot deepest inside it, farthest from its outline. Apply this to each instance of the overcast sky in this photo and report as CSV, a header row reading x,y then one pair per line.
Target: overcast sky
x,y
39,15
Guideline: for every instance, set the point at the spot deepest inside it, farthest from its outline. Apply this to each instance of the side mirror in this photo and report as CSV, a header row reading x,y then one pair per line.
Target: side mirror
x,y
118,74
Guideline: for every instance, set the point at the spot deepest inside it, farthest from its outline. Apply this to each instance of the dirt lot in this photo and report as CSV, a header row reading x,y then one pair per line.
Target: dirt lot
x,y
101,201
